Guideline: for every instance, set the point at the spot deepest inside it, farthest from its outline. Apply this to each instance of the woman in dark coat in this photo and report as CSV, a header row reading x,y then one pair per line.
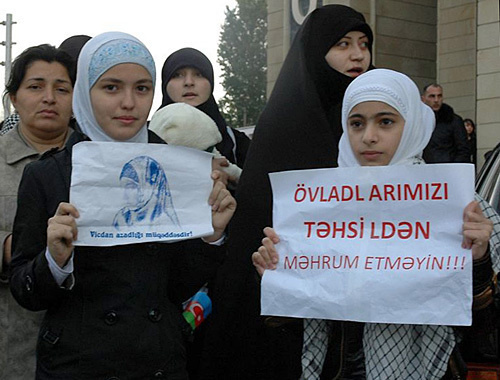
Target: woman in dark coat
x,y
470,128
112,312
299,129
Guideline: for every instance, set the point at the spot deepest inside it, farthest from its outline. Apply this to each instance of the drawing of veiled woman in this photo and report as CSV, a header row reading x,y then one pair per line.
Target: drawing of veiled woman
x,y
147,195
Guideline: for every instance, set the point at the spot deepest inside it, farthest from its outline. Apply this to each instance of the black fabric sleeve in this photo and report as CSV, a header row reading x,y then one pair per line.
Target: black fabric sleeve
x,y
242,145
31,282
482,274
194,266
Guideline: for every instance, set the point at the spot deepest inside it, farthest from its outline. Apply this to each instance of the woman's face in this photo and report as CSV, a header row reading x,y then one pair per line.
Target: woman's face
x,y
350,55
133,193
187,85
121,99
468,127
43,99
136,196
374,130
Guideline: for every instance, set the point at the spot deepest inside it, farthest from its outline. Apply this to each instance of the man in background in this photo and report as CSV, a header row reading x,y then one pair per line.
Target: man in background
x,y
449,139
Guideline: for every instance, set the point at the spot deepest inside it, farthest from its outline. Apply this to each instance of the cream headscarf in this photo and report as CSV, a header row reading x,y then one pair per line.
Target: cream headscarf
x,y
97,56
401,93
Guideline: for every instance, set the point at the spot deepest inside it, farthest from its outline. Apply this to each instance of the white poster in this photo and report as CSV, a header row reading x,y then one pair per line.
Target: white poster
x,y
372,244
131,193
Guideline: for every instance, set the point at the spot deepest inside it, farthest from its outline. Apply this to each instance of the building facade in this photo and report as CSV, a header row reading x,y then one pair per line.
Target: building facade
x,y
455,43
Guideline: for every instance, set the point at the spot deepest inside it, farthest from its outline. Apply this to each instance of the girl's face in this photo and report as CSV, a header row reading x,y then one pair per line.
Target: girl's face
x,y
374,130
121,99
43,99
350,55
187,85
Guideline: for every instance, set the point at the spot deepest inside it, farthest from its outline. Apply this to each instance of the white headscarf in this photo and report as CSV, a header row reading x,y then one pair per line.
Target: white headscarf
x,y
401,93
395,351
97,56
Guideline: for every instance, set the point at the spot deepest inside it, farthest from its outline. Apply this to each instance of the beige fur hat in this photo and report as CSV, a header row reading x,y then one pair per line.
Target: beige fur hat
x,y
182,124
185,125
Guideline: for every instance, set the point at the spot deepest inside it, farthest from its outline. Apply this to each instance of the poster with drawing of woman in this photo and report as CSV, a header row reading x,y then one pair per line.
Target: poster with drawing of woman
x,y
140,193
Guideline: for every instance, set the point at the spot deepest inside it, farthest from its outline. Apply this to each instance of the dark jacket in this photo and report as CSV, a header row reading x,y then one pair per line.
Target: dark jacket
x,y
122,319
449,140
473,148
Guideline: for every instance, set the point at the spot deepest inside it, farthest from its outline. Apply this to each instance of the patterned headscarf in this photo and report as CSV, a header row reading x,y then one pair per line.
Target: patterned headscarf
x,y
99,55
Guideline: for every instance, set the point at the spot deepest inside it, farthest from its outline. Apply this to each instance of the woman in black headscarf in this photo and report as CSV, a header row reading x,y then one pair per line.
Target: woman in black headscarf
x,y
299,129
188,77
470,127
234,144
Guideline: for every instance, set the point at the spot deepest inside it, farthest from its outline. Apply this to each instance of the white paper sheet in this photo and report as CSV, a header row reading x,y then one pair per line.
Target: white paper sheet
x,y
372,244
131,193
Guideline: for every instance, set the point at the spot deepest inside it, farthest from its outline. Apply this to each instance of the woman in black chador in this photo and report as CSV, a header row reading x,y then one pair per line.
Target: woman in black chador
x,y
187,77
299,129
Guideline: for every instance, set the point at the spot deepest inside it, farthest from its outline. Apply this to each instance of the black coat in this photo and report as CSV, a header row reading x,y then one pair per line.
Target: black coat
x,y
299,129
449,140
122,319
473,148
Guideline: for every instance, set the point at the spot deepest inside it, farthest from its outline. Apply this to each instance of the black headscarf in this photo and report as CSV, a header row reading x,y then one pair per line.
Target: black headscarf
x,y
299,128
74,44
189,57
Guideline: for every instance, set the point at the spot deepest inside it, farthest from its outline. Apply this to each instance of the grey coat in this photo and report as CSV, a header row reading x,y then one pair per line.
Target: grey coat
x,y
18,326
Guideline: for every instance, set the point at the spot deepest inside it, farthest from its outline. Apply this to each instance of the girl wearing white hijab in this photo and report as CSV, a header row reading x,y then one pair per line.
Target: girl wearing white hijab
x,y
397,91
385,123
112,312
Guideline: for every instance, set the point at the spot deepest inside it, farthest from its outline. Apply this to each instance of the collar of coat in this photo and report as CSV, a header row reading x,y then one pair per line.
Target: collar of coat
x,y
16,148
445,114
